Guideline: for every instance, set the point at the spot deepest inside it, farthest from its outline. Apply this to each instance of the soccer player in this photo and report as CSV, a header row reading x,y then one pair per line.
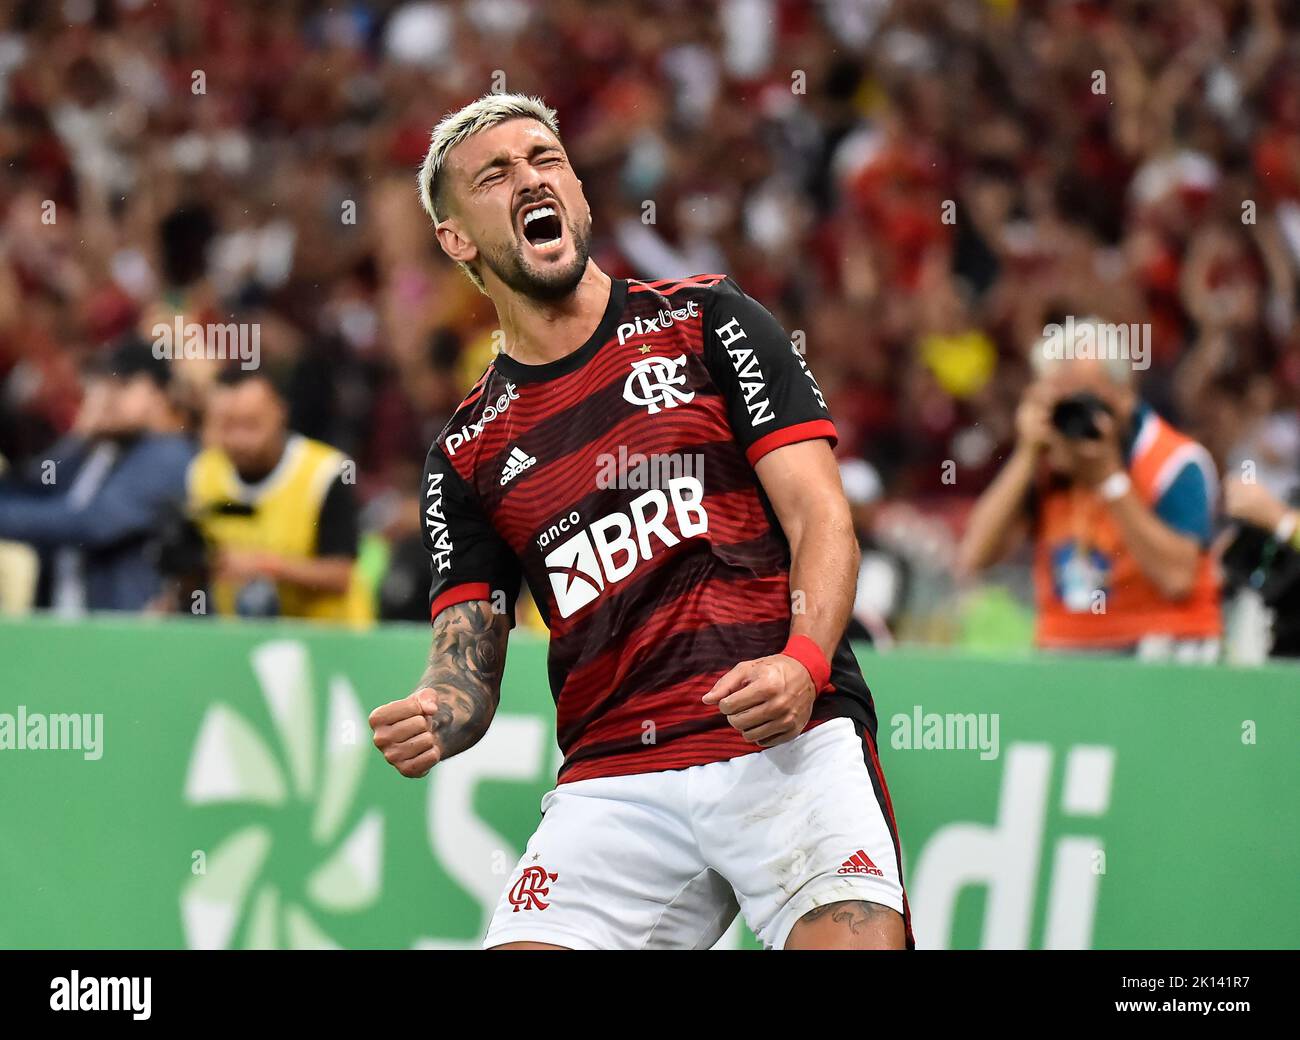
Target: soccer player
x,y
654,459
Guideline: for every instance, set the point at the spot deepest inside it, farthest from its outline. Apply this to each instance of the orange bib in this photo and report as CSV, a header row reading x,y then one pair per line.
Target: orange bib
x,y
1089,588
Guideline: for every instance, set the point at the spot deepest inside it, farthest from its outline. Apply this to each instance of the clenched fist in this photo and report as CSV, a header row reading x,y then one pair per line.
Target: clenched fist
x,y
768,700
404,732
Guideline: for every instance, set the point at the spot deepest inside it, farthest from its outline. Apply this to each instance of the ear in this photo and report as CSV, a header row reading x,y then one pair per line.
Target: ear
x,y
454,242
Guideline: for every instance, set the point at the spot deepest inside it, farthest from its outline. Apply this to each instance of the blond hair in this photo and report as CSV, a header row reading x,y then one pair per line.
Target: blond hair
x,y
456,127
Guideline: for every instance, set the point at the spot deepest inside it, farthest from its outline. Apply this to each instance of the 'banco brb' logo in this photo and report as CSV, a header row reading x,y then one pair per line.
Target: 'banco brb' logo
x,y
654,383
608,550
253,892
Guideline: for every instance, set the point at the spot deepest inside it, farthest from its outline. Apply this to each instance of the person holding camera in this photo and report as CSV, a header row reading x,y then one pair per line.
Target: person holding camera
x,y
1118,506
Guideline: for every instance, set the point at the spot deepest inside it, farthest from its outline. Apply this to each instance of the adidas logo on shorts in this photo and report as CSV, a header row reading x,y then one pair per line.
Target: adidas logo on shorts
x,y
860,863
518,461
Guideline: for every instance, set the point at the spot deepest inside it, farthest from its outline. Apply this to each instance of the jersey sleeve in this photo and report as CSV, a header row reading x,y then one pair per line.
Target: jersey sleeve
x,y
1187,503
772,398
469,560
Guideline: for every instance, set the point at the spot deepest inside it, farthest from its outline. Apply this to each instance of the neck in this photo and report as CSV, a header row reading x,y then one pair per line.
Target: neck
x,y
539,331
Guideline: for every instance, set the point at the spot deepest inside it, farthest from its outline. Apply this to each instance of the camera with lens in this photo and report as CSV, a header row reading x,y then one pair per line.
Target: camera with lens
x,y
1075,416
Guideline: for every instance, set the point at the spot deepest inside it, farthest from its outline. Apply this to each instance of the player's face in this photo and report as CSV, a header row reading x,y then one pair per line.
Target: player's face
x,y
519,208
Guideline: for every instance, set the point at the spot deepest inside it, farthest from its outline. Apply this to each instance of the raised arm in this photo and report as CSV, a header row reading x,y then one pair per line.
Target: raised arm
x,y
998,523
457,695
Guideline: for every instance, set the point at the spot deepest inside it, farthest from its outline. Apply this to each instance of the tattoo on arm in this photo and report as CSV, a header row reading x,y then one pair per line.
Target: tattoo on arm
x,y
465,667
856,914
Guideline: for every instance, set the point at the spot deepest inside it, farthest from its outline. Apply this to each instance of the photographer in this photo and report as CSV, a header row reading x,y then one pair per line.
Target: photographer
x,y
1118,506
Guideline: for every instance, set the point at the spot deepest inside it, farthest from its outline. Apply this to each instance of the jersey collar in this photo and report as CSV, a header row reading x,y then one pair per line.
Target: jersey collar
x,y
517,372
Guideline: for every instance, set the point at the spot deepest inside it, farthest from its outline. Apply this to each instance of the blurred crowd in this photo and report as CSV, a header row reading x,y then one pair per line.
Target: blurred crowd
x,y
915,188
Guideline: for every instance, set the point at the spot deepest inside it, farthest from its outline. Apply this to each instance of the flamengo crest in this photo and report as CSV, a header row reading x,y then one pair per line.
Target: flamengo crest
x,y
654,381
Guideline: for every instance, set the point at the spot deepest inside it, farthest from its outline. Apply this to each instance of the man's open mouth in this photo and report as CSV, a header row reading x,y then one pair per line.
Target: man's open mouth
x,y
541,225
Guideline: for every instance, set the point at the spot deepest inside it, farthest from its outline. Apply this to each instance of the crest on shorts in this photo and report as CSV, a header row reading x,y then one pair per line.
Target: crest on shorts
x,y
533,884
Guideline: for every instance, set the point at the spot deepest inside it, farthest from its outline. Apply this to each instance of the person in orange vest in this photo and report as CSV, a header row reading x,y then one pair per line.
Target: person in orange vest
x,y
1118,506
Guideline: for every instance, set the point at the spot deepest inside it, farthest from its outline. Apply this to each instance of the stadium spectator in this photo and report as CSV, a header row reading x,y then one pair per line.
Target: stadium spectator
x,y
277,510
1118,506
911,187
92,507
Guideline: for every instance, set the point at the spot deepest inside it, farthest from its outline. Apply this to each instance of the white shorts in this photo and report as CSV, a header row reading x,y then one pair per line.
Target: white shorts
x,y
664,860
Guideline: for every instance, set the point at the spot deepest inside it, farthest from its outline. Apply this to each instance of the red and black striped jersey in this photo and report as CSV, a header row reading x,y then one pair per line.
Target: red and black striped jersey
x,y
619,482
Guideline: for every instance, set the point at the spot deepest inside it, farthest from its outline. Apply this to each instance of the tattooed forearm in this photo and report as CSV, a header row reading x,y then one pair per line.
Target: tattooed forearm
x,y
465,667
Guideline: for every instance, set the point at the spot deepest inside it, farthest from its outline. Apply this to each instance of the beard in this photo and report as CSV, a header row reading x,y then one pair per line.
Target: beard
x,y
548,284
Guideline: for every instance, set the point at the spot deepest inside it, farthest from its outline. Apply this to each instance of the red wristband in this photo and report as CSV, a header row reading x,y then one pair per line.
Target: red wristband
x,y
810,655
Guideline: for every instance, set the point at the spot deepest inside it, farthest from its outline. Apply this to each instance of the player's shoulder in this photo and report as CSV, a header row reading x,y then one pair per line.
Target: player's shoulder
x,y
701,298
680,293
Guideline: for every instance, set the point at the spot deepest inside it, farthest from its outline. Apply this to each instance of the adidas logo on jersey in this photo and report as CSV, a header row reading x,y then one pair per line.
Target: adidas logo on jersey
x,y
518,461
860,863
609,549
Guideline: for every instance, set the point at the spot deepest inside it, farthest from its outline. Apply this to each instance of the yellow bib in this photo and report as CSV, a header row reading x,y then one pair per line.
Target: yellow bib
x,y
285,514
